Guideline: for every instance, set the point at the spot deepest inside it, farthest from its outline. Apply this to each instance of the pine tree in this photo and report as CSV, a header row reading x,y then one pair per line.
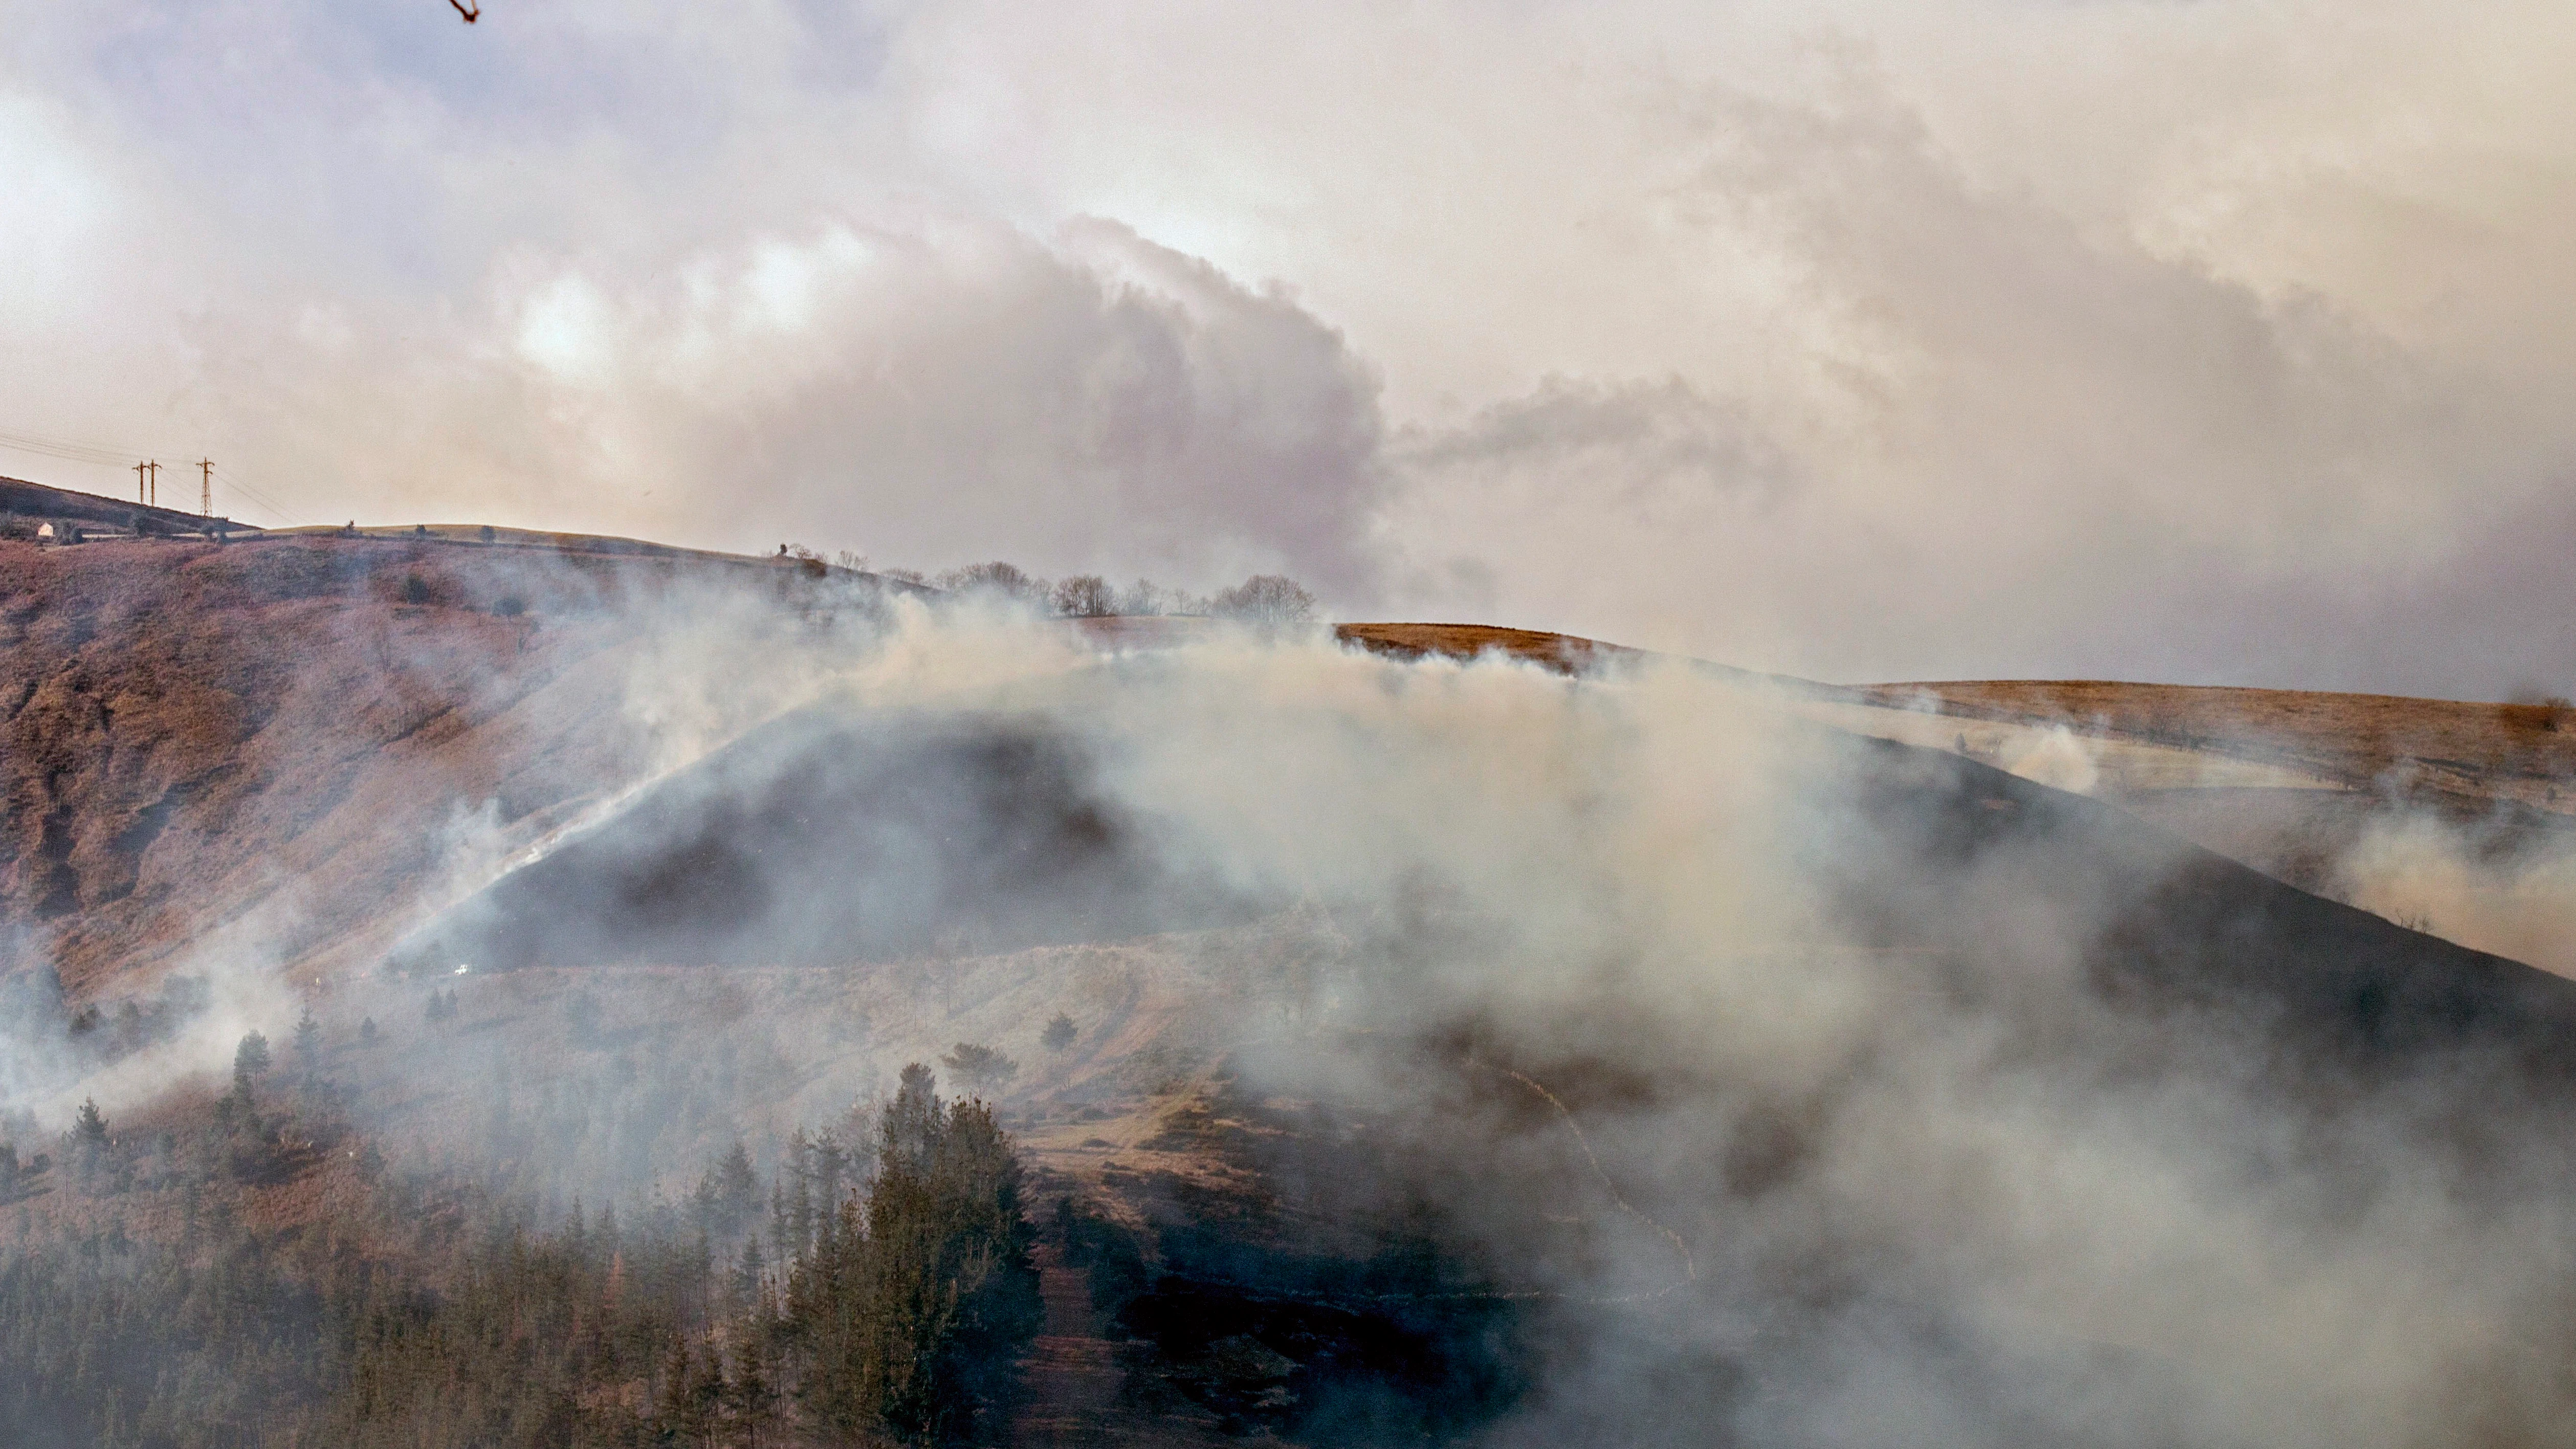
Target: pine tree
x,y
980,1067
737,1189
671,1407
909,1130
831,1174
250,1059
308,1044
707,1396
754,1400
800,1194
910,1312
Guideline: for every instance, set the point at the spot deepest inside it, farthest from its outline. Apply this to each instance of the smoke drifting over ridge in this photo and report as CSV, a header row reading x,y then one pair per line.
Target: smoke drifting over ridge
x,y
1855,342
1938,1173
1914,1101
1947,1159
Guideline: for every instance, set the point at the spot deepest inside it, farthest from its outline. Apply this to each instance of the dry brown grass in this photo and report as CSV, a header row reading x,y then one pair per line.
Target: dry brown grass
x,y
187,729
2425,748
2364,741
1466,641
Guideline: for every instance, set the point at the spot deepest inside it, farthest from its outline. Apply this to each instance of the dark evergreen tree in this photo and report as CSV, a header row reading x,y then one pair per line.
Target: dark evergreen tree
x,y
927,1291
672,1412
250,1060
737,1190
308,1045
754,1400
706,1398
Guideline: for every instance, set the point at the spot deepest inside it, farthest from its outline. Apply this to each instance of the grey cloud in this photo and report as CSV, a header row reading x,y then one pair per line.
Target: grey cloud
x,y
2032,340
928,394
2025,445
1625,440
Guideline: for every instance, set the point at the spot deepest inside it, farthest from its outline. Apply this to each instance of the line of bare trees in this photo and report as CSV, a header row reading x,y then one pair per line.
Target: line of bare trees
x,y
1272,599
1265,599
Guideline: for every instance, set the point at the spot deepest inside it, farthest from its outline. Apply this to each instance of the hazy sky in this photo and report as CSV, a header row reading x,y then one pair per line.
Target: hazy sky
x,y
2190,339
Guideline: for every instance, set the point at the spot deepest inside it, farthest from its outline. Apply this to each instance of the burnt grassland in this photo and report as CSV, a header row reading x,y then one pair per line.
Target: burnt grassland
x,y
385,1237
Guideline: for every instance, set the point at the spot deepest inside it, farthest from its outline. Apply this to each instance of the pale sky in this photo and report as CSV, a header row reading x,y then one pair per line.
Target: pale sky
x,y
2195,340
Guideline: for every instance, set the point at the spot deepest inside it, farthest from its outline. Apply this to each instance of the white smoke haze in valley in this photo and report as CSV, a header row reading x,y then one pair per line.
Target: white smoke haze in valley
x,y
226,986
1853,340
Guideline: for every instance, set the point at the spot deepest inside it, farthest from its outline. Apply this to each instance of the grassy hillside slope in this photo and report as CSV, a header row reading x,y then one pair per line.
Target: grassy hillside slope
x,y
278,735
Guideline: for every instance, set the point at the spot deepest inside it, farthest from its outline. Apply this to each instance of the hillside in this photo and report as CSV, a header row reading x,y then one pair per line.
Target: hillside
x,y
276,738
2462,758
2434,748
2454,816
1367,1029
186,729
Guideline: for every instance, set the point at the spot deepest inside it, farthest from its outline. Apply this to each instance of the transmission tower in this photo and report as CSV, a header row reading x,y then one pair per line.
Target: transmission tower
x,y
206,488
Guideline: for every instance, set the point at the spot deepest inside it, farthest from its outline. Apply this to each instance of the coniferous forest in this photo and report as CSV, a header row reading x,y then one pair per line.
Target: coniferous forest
x,y
870,1293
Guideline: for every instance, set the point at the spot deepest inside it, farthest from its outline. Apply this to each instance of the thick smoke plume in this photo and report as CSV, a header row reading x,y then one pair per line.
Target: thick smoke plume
x,y
1796,1087
1929,1184
1803,1090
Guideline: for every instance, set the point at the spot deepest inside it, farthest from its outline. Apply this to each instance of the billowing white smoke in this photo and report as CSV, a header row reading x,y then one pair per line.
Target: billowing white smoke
x,y
1842,1191
1919,1201
2465,885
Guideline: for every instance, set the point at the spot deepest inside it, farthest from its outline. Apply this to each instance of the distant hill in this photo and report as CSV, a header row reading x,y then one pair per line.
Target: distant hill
x,y
64,514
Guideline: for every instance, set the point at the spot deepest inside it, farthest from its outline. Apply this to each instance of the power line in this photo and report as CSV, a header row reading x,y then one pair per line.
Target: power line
x,y
233,482
74,451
